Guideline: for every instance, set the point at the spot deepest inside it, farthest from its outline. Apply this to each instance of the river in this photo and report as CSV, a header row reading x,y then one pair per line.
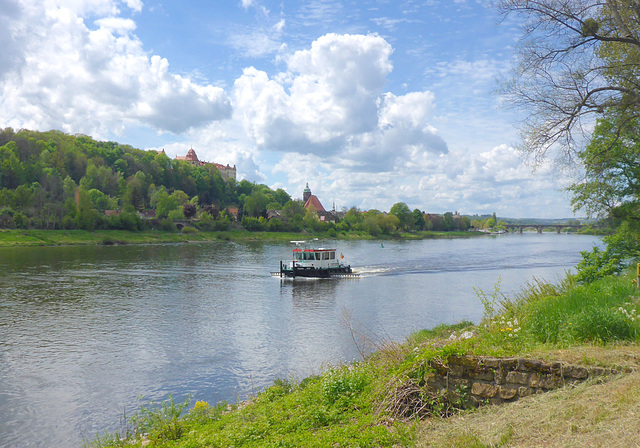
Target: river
x,y
86,331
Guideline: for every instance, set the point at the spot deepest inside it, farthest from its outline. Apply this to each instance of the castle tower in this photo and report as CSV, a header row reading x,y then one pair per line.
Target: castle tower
x,y
306,194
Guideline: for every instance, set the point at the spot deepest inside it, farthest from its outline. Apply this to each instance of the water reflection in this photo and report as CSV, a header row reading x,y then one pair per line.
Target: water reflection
x,y
84,331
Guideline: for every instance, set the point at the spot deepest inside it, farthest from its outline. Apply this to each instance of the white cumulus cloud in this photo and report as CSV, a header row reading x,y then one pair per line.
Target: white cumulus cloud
x,y
331,101
60,72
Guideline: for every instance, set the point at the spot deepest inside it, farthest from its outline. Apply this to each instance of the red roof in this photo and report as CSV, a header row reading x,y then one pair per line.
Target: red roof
x,y
313,200
190,157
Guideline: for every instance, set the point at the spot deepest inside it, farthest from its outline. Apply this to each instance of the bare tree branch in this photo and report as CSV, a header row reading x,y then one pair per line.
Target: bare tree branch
x,y
576,60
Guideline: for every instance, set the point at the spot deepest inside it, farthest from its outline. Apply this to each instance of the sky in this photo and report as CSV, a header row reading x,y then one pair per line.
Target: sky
x,y
370,102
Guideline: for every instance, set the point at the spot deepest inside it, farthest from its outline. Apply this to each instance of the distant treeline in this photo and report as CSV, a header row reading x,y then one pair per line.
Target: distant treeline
x,y
53,180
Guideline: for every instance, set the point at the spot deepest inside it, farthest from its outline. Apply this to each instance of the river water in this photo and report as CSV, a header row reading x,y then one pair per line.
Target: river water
x,y
86,331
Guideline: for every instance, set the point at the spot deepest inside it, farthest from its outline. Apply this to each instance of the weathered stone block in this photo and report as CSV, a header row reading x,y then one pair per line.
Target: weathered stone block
x,y
484,390
457,383
596,371
491,363
533,365
551,382
534,380
557,368
485,375
436,382
438,367
509,364
524,391
507,393
576,372
499,376
456,370
518,377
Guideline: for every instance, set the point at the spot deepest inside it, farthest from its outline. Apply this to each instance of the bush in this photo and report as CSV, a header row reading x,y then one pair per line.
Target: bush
x,y
597,264
252,224
275,225
342,383
130,221
20,220
189,230
69,223
168,225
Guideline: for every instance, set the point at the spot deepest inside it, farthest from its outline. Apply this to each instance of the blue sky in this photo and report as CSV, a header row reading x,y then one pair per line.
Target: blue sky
x,y
370,102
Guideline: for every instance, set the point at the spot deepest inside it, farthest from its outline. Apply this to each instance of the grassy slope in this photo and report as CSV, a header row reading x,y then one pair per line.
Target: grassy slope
x,y
348,405
593,414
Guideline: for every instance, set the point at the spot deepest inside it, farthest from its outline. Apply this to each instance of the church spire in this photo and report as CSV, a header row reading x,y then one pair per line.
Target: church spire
x,y
306,194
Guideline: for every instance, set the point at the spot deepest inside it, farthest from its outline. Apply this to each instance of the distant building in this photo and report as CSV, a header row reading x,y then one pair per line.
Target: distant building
x,y
311,200
226,172
233,212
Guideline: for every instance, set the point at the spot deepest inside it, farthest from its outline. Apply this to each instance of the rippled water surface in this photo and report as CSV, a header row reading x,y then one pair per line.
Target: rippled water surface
x,y
86,331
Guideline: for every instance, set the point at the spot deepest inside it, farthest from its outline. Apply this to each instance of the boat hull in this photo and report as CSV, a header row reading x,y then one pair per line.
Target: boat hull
x,y
312,272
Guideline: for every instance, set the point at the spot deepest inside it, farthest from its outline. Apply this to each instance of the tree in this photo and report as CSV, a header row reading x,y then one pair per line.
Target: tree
x,y
189,210
180,197
577,60
281,196
165,203
293,211
354,218
255,204
418,219
447,221
403,213
99,200
611,183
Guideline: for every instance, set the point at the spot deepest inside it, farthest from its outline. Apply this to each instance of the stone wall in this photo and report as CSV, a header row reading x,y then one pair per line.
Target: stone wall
x,y
479,380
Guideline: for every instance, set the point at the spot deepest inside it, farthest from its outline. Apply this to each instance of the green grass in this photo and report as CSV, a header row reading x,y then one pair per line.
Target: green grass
x,y
360,405
32,237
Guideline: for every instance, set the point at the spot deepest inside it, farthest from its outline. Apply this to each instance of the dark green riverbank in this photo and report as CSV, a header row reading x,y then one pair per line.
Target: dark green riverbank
x,y
15,237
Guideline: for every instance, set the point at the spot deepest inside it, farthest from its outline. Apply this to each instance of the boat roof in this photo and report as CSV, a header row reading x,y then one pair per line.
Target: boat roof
x,y
309,249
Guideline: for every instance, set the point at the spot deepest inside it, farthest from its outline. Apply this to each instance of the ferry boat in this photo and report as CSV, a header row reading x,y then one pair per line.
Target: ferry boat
x,y
313,262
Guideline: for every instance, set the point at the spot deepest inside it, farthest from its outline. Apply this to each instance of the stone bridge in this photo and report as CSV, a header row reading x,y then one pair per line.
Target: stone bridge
x,y
182,223
540,227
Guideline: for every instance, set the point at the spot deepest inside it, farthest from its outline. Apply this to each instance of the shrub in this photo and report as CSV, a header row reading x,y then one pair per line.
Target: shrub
x,y
168,225
189,230
20,220
252,224
342,383
275,225
597,264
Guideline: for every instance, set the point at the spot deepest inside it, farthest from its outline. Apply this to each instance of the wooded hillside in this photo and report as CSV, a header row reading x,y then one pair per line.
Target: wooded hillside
x,y
53,180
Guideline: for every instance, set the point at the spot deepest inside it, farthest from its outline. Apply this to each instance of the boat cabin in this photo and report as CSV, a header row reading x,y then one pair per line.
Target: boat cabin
x,y
320,258
313,262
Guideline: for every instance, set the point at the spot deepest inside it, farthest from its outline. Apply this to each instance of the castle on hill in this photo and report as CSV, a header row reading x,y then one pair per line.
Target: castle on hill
x,y
226,172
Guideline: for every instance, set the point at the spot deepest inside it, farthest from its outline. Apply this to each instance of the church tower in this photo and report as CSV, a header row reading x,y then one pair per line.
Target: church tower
x,y
306,194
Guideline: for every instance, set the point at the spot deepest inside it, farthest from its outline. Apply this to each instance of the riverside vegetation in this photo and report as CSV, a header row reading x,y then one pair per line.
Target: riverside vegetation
x,y
55,181
593,323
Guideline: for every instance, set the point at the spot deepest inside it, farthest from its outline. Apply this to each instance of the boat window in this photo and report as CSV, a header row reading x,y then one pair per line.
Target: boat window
x,y
325,255
297,256
308,256
317,255
332,255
